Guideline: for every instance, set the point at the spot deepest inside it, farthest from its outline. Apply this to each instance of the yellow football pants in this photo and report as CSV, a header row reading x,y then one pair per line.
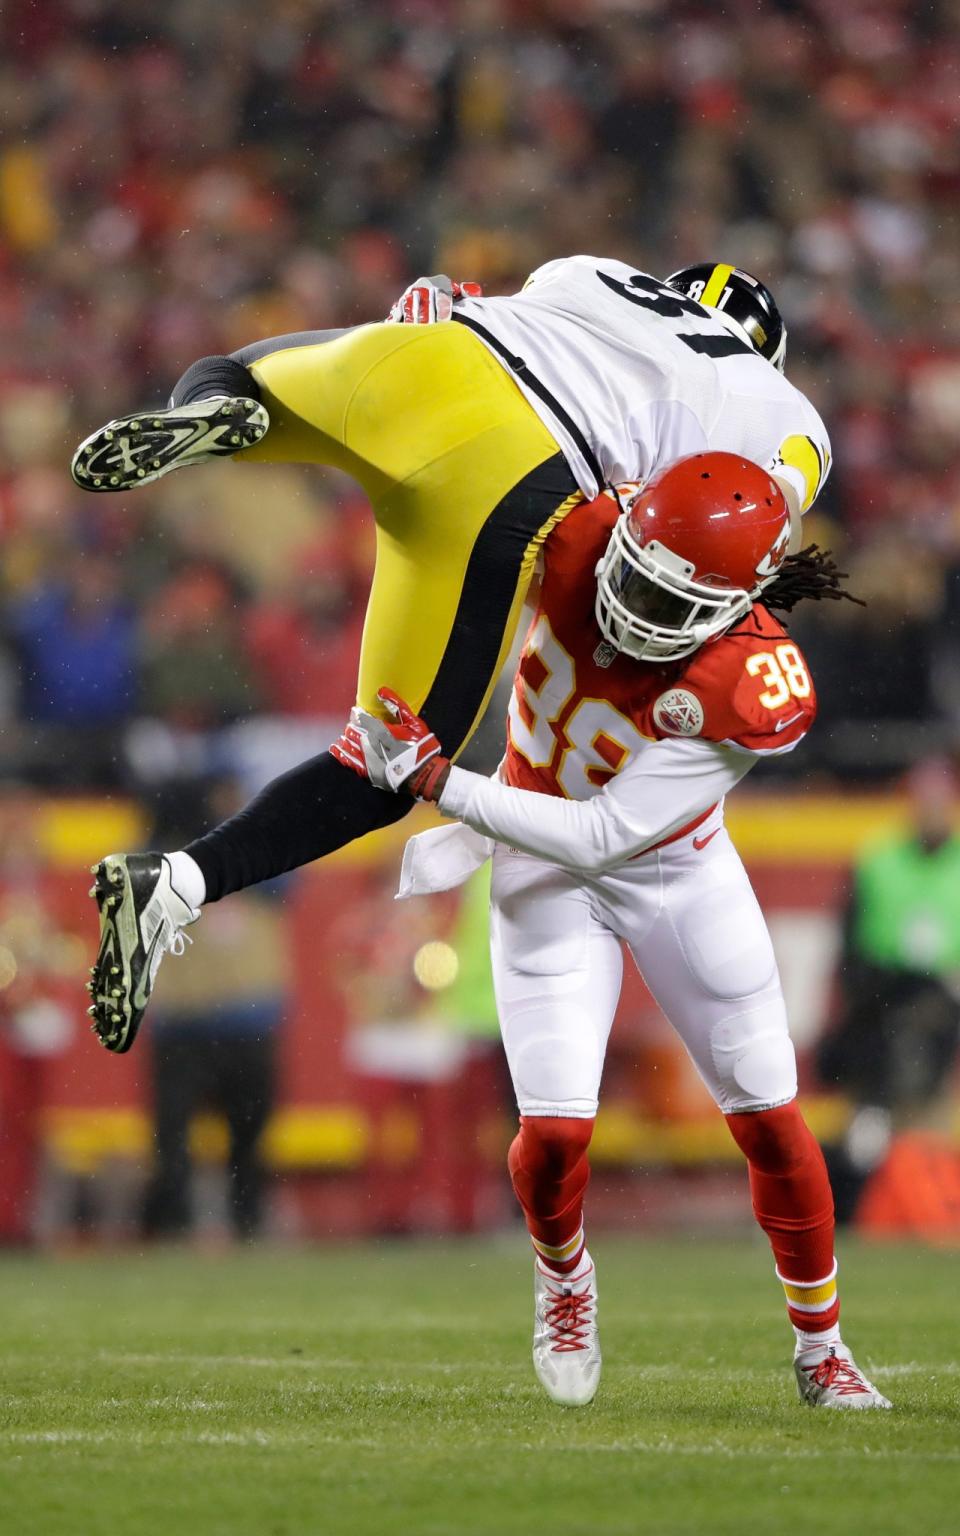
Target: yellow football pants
x,y
465,483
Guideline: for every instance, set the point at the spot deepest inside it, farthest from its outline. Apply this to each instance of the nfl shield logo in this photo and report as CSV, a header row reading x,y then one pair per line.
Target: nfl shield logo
x,y
604,655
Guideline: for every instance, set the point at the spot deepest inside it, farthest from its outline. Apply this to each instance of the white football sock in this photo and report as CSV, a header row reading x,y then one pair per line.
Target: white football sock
x,y
186,877
816,1340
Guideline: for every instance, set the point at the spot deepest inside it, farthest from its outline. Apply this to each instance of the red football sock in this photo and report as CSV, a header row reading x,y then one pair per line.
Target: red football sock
x,y
793,1202
549,1168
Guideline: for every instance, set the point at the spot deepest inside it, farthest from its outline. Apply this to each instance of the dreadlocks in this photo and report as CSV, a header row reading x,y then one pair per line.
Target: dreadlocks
x,y
809,573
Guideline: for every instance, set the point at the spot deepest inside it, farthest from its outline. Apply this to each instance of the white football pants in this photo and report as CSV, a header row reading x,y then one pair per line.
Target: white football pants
x,y
690,918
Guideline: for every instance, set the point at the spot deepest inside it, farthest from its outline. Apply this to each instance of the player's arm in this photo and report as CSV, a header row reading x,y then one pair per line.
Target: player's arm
x,y
763,701
668,785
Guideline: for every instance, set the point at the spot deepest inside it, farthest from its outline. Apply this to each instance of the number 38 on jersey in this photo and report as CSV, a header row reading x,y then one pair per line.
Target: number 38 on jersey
x,y
783,673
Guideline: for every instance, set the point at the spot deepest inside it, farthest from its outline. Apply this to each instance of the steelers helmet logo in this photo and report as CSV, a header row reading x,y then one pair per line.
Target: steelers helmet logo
x,y
678,713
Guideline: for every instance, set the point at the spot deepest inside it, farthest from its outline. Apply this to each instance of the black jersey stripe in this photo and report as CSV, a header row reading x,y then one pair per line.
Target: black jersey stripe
x,y
536,385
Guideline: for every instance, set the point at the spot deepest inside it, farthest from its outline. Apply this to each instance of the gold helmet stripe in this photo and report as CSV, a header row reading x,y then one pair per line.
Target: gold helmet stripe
x,y
716,283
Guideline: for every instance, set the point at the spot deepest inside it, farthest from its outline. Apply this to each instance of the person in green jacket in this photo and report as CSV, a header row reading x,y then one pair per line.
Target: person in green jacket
x,y
895,1043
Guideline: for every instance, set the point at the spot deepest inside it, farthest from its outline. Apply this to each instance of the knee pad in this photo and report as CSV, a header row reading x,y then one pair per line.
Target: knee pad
x,y
754,1058
554,1069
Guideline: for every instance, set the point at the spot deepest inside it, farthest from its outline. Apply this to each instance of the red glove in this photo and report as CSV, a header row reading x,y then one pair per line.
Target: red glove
x,y
347,749
431,299
399,754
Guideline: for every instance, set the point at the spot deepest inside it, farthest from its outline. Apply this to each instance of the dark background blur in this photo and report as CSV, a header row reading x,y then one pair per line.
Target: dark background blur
x,y
185,178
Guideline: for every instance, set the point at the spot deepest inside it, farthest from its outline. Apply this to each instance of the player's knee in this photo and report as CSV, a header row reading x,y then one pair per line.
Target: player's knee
x,y
754,1059
773,1140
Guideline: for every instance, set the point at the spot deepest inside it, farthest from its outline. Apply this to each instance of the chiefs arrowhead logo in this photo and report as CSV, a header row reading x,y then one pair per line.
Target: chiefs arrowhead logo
x,y
678,713
773,560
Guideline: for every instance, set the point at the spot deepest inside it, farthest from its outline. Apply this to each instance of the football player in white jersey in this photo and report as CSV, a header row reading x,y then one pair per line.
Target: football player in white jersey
x,y
654,675
474,440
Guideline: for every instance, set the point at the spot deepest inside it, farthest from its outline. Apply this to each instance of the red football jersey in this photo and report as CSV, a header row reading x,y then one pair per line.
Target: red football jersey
x,y
580,710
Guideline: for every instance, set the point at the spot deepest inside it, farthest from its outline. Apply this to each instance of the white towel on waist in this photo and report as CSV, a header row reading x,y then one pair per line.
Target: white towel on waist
x,y
441,859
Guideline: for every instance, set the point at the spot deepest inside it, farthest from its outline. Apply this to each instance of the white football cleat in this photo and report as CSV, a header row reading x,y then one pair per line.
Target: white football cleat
x,y
829,1377
566,1342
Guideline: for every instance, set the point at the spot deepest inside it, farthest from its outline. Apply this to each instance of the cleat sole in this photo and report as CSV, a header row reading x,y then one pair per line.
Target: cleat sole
x,y
134,451
107,1022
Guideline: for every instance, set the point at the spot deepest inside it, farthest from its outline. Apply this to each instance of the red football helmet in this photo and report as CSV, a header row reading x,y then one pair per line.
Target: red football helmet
x,y
693,549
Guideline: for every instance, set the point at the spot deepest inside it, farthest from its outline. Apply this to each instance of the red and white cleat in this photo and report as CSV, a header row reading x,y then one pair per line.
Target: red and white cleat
x,y
829,1377
566,1343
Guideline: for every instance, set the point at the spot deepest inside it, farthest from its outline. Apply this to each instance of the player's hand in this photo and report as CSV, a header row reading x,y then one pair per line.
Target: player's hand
x,y
348,748
431,299
401,753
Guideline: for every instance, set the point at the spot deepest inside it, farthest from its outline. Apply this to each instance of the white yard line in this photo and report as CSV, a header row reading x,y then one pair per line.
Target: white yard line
x,y
272,1440
650,1371
145,1438
253,1362
764,1453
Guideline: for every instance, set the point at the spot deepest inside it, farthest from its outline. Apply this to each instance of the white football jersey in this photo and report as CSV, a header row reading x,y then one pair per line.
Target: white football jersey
x,y
628,376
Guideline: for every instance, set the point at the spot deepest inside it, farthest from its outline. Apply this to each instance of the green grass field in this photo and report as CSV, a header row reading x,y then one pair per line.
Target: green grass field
x,y
388,1389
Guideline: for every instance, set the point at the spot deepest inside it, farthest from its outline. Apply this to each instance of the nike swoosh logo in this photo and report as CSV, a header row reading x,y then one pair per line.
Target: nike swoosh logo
x,y
781,725
140,997
701,842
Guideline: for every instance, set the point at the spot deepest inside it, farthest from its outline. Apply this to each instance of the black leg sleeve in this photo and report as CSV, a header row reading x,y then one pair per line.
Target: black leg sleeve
x,y
214,376
310,811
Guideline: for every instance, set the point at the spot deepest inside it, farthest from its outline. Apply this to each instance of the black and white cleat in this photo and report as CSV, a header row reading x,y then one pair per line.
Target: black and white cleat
x,y
134,450
141,919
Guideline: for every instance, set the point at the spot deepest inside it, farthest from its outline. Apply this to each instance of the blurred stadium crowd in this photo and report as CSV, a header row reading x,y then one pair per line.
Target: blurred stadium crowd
x,y
182,179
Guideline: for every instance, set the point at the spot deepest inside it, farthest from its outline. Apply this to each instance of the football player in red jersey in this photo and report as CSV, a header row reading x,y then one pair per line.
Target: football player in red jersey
x,y
625,734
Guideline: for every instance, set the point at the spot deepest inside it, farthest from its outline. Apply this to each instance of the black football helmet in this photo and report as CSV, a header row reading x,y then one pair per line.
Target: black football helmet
x,y
742,302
